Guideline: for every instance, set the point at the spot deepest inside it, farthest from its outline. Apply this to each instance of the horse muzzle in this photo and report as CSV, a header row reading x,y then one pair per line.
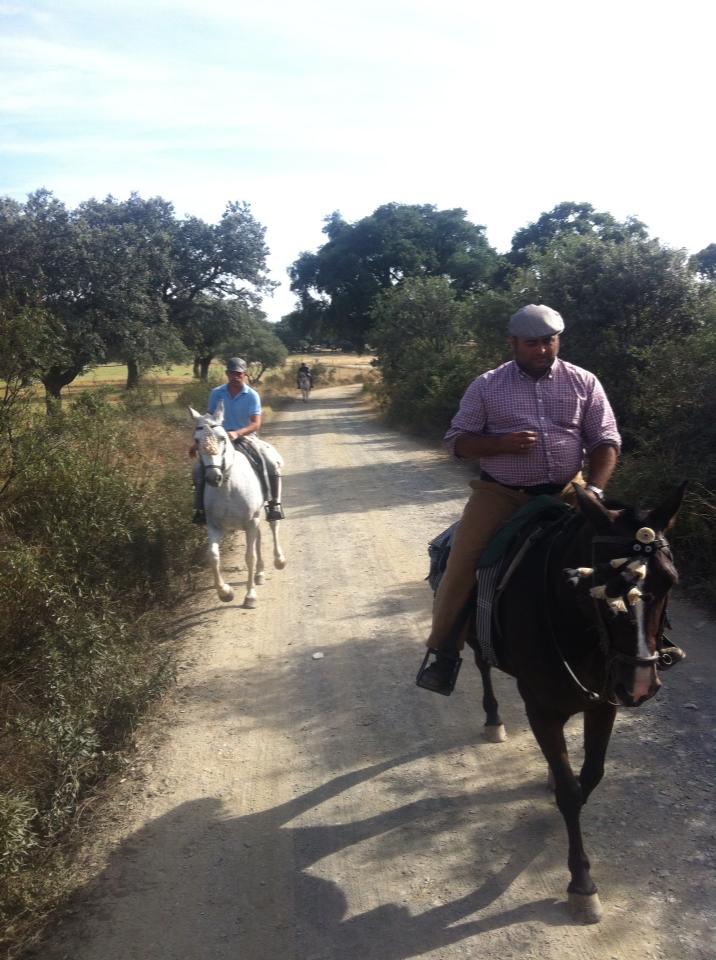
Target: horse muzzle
x,y
637,685
213,476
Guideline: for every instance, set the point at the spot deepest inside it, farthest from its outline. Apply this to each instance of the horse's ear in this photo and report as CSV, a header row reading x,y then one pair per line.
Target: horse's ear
x,y
663,516
219,412
598,516
195,415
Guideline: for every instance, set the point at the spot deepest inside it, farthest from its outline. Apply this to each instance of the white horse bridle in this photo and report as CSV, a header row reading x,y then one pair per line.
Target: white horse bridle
x,y
211,445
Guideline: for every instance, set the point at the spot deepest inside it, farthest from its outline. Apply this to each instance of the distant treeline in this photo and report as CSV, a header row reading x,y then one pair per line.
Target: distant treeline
x,y
128,282
432,298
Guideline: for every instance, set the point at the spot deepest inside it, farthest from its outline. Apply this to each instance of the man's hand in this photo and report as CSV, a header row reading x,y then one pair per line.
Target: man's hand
x,y
233,434
520,442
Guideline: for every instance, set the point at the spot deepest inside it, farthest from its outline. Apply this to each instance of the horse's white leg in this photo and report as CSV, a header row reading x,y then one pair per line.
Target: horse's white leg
x,y
225,592
260,575
251,531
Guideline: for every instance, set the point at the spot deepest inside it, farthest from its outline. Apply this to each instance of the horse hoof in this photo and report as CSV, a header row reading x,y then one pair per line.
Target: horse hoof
x,y
250,603
585,908
279,563
495,733
226,595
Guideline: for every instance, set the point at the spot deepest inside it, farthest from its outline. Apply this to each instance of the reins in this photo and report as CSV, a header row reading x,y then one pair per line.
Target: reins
x,y
591,695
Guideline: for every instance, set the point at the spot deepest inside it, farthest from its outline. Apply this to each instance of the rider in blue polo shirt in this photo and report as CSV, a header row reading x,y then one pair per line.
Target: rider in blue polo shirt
x,y
242,417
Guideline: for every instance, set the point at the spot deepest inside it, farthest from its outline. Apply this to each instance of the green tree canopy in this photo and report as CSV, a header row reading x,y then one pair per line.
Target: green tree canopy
x,y
395,242
704,262
569,219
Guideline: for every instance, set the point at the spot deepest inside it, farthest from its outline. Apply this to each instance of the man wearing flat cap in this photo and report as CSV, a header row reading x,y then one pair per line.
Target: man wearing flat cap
x,y
242,419
530,422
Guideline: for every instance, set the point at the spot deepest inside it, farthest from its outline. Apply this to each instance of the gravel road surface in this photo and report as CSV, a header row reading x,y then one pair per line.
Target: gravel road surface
x,y
286,806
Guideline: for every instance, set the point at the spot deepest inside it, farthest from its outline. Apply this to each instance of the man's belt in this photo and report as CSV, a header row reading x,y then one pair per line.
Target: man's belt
x,y
540,489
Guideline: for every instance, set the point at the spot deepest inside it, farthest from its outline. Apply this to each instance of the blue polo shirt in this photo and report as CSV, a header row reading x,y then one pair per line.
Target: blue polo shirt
x,y
238,410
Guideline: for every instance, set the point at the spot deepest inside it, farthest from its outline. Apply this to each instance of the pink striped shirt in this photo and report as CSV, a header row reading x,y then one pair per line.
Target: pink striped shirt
x,y
567,408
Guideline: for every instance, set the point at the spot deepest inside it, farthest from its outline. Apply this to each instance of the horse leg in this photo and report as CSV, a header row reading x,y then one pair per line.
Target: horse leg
x,y
260,575
223,589
251,531
494,727
548,728
598,723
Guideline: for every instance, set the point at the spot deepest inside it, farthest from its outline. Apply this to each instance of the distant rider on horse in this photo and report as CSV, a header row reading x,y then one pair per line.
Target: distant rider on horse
x,y
242,419
304,371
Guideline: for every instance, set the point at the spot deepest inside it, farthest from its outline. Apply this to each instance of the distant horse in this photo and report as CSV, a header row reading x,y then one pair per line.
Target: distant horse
x,y
578,625
233,500
304,385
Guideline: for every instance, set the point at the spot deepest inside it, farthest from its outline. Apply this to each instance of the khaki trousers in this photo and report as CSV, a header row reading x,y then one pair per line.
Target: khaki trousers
x,y
489,506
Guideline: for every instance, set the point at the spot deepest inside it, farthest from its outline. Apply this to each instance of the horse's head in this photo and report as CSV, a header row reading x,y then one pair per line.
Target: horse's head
x,y
212,444
630,574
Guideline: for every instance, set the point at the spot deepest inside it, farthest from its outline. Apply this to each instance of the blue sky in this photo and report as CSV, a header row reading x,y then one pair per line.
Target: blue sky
x,y
302,107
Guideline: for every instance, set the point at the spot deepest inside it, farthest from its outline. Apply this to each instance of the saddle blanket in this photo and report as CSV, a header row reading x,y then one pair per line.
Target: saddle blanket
x,y
499,560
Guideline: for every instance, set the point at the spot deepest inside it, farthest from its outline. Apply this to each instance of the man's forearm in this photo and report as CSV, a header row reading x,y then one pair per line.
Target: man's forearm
x,y
472,445
602,461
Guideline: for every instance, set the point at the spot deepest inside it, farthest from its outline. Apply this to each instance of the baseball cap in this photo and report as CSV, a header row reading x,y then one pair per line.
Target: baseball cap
x,y
236,365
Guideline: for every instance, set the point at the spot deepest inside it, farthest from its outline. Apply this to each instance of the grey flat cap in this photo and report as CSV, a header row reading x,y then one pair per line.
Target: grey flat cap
x,y
535,320
236,365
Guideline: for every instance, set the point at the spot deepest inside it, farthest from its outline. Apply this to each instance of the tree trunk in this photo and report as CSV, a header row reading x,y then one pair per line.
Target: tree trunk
x,y
132,374
197,369
203,366
53,381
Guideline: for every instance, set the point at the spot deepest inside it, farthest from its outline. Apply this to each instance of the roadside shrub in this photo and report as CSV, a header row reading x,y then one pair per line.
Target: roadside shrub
x,y
94,541
196,393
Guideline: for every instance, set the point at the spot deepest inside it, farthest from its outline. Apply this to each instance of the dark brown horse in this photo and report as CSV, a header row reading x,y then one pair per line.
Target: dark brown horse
x,y
580,626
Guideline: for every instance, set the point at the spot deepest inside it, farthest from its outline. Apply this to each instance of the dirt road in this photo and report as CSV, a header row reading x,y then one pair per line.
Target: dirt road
x,y
286,807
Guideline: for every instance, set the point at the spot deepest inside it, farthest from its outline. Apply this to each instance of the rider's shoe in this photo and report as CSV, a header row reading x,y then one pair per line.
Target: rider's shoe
x,y
199,518
441,675
669,657
274,511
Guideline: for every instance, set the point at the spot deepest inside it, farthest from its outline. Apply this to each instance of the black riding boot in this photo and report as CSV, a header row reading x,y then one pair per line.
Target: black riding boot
x,y
273,506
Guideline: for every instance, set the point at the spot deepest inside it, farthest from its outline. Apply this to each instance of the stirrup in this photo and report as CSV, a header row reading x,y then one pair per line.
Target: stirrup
x,y
432,677
274,511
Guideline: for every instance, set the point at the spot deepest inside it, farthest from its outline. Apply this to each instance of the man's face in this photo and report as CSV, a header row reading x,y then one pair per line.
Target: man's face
x,y
236,378
535,356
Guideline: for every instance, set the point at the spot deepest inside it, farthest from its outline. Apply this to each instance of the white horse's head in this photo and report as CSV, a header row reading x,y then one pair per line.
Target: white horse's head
x,y
212,444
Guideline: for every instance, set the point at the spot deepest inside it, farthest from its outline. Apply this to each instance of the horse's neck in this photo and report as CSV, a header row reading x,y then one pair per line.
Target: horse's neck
x,y
574,550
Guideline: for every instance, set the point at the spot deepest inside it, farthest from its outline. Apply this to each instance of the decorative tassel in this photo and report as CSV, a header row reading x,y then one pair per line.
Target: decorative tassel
x,y
599,593
616,606
619,561
638,568
575,574
634,595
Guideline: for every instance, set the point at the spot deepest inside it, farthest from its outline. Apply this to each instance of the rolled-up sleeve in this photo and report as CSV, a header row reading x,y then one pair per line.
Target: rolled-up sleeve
x,y
470,417
599,425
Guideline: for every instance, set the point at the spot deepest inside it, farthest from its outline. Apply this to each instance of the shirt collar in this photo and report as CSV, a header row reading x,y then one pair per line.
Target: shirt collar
x,y
548,376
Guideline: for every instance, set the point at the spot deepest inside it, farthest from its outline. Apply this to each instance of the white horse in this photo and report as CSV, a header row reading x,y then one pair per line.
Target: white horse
x,y
304,385
233,500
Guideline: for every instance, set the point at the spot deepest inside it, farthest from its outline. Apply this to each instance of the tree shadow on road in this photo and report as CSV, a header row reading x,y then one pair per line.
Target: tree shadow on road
x,y
214,879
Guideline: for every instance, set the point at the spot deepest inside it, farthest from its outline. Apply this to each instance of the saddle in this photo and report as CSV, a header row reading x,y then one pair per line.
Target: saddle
x,y
498,562
253,455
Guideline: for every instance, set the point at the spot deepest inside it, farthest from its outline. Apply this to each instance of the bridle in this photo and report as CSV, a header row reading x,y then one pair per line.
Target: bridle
x,y
631,567
212,438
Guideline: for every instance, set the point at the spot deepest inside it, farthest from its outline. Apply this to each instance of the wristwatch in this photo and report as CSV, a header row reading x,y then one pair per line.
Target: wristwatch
x,y
597,491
